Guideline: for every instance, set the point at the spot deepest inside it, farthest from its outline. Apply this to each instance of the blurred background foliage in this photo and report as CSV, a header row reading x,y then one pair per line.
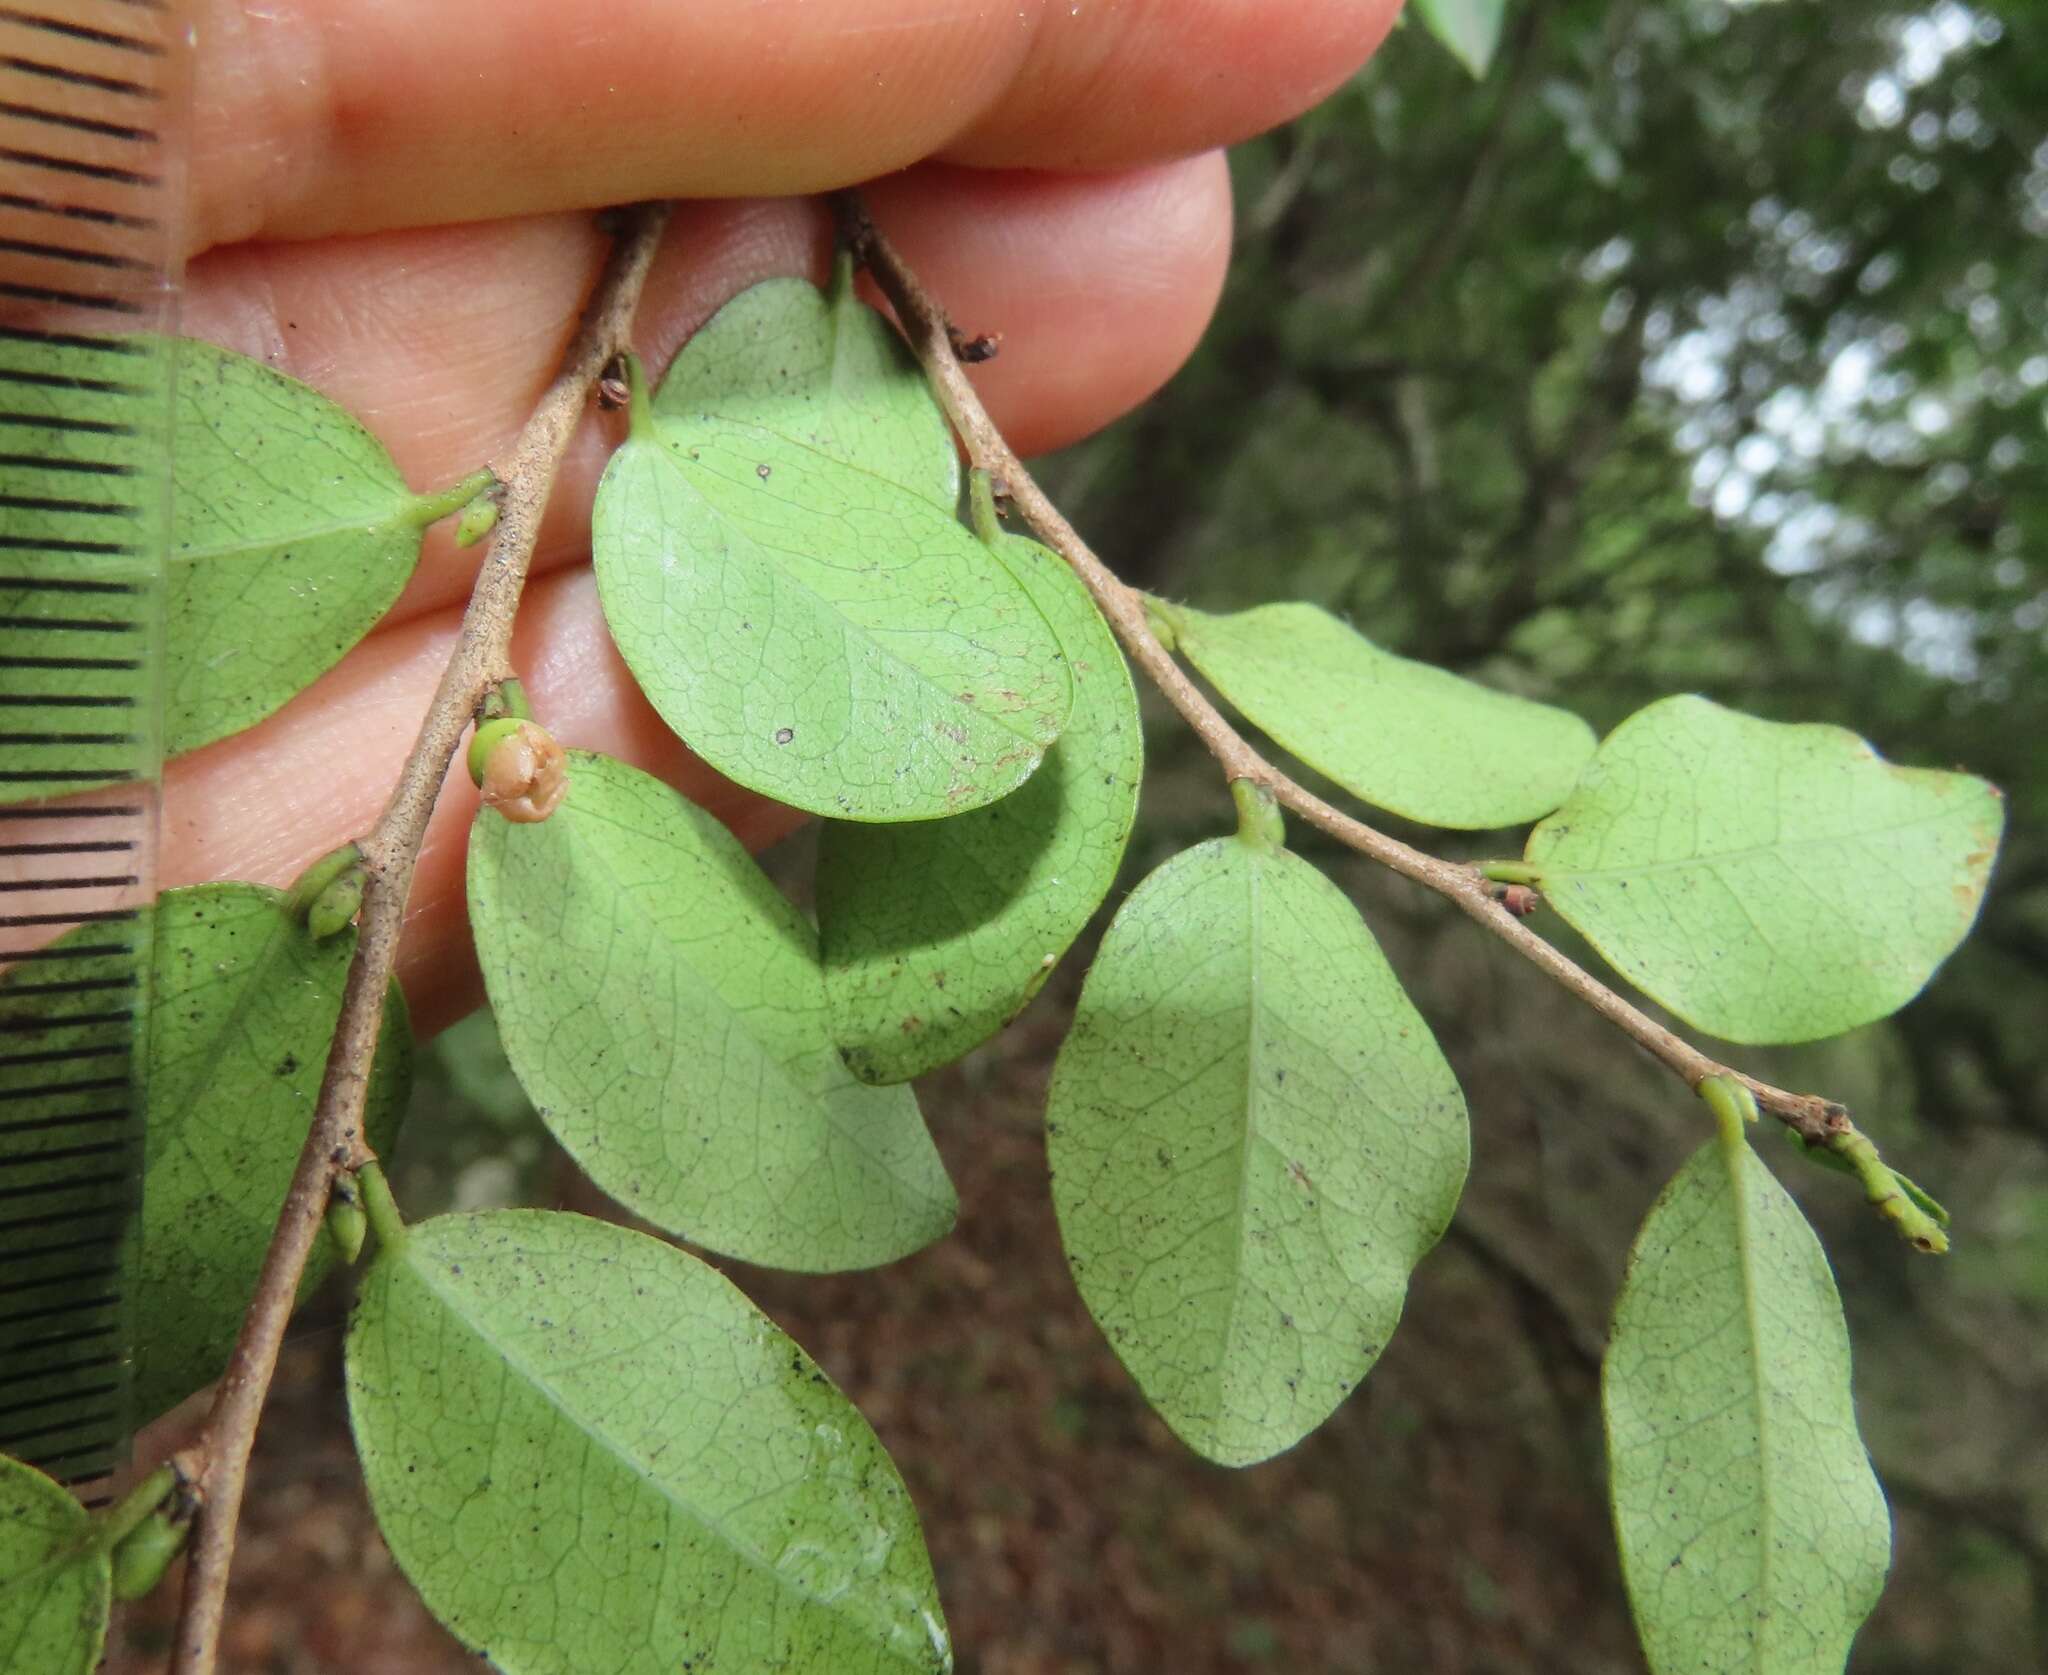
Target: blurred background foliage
x,y
1700,346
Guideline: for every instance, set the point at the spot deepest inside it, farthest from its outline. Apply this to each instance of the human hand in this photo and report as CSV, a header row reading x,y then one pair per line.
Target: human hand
x,y
392,203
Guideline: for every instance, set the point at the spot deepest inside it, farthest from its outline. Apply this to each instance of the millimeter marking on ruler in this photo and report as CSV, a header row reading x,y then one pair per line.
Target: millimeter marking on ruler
x,y
85,257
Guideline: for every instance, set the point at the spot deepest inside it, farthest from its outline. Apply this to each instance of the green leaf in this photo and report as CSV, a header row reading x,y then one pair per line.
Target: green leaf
x,y
936,933
243,1009
1753,1534
1470,29
1253,1140
818,633
824,370
589,1452
242,1015
1402,735
1766,882
291,533
664,1009
55,1587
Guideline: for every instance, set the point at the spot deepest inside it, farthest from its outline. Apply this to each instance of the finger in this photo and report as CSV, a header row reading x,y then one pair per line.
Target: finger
x,y
439,341
1099,286
264,805
324,116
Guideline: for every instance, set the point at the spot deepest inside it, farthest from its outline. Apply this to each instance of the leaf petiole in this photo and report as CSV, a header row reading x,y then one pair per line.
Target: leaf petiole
x,y
380,1206
1258,816
132,1508
639,409
981,505
1733,1105
445,503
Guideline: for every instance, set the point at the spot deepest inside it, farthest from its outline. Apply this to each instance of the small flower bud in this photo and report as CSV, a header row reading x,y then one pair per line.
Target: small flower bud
x,y
520,769
348,1224
1518,899
327,894
141,1557
479,517
337,905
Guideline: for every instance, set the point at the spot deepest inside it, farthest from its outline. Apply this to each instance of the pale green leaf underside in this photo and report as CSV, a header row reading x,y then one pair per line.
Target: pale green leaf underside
x,y
1253,1140
1401,735
936,933
1753,1534
664,1008
55,1588
593,1456
823,369
243,1011
1470,29
291,534
243,1008
817,633
1767,882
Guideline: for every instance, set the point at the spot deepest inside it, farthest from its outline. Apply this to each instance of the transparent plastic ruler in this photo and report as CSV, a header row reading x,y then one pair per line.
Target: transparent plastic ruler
x,y
90,183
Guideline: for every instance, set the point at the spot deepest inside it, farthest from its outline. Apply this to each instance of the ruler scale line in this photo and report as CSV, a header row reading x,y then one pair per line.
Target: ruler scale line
x,y
42,70
64,1340
53,1090
82,32
17,1224
10,1409
90,104
46,1125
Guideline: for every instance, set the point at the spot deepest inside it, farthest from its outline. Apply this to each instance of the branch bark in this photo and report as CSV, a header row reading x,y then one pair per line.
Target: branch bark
x,y
480,662
1817,1120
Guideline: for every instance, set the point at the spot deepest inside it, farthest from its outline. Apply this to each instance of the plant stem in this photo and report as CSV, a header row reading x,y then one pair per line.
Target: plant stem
x,y
481,660
1815,1119
1890,1196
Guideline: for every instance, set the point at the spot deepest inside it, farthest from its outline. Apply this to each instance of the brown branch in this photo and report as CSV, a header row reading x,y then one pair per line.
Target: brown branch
x,y
481,660
1815,1119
